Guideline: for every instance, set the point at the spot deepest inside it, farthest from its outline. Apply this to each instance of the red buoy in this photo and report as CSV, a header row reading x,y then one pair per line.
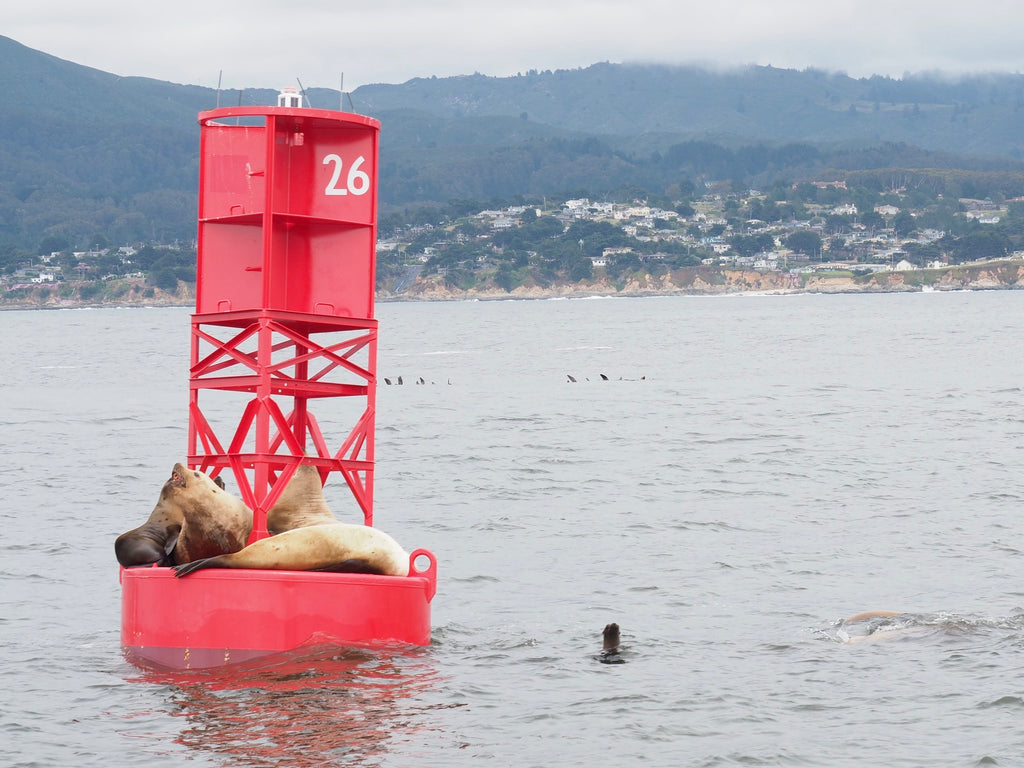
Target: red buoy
x,y
283,372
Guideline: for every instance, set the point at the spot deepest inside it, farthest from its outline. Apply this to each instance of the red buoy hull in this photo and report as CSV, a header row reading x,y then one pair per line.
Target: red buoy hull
x,y
217,617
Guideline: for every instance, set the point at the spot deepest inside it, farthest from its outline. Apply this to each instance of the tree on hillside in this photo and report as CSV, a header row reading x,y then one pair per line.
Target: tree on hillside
x,y
982,243
594,236
52,243
765,210
748,245
904,223
686,210
873,220
805,241
924,254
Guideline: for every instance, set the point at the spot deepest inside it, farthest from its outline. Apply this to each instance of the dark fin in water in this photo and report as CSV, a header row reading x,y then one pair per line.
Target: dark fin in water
x,y
571,377
352,565
603,377
196,565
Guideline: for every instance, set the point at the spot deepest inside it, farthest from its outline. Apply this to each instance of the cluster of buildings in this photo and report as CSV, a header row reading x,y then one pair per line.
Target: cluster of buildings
x,y
708,231
80,264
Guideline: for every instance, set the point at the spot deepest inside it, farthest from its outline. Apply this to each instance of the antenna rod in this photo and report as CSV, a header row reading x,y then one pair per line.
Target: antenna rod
x,y
219,76
303,91
341,93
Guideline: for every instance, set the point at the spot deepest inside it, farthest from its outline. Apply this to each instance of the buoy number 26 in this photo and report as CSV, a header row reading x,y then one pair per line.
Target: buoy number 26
x,y
356,180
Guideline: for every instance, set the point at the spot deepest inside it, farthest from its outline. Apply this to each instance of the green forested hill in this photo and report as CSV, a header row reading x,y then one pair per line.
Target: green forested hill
x,y
87,155
976,115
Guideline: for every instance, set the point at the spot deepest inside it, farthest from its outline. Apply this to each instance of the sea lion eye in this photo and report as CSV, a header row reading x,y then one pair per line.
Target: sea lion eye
x,y
195,474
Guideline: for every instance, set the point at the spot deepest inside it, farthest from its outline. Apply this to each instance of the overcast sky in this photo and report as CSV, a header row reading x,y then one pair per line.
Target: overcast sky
x,y
260,43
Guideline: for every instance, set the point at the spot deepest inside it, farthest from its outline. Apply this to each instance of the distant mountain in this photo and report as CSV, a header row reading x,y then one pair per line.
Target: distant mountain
x,y
86,155
973,115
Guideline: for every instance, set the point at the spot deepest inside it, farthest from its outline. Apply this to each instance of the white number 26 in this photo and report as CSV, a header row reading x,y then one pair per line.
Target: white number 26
x,y
357,182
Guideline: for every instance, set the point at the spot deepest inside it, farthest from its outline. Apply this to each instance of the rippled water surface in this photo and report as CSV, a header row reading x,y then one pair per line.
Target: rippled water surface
x,y
752,471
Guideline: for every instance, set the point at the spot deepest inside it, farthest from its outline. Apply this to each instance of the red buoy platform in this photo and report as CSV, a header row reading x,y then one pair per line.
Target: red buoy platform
x,y
282,373
214,618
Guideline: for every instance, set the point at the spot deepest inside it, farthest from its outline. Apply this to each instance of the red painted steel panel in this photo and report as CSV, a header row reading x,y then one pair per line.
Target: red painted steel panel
x,y
221,616
287,212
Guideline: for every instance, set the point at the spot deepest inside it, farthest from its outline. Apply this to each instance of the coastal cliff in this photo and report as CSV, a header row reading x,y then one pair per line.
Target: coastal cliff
x,y
1002,275
697,281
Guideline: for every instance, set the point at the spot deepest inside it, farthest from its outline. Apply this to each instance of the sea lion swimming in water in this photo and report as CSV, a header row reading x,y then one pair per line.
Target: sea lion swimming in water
x,y
871,630
610,650
871,615
194,518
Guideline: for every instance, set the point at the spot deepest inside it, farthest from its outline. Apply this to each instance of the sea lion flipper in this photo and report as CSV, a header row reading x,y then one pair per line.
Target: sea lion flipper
x,y
352,565
196,565
171,543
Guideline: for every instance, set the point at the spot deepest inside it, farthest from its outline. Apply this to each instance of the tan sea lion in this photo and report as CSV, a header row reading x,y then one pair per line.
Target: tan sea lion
x,y
337,547
301,503
194,518
871,615
870,630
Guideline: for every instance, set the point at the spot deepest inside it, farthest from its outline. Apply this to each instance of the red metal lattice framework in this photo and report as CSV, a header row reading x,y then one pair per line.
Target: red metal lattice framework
x,y
281,362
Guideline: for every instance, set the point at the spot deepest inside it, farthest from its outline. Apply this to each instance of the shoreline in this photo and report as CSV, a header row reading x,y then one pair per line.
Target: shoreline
x,y
1007,274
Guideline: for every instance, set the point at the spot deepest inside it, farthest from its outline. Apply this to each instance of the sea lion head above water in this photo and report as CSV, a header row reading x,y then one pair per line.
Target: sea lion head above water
x,y
194,518
610,651
611,637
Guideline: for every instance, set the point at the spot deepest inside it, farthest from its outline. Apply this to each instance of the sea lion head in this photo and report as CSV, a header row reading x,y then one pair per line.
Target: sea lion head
x,y
153,542
301,502
149,544
610,652
215,522
187,490
611,637
194,517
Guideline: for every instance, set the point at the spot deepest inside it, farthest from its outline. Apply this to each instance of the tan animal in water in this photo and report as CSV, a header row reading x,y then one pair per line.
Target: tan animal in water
x,y
871,615
873,631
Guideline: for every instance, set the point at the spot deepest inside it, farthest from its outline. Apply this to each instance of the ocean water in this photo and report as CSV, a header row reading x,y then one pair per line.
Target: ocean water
x,y
753,470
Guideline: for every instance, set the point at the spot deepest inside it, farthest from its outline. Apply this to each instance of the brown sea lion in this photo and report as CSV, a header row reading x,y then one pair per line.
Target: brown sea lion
x,y
611,637
610,652
194,518
301,503
338,547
